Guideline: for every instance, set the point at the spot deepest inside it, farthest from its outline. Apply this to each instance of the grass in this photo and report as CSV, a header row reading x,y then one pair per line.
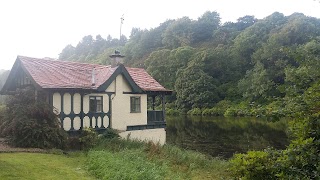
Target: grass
x,y
115,159
125,159
42,166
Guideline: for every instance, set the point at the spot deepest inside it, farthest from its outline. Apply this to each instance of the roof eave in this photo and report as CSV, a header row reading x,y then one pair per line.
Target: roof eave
x,y
120,70
166,92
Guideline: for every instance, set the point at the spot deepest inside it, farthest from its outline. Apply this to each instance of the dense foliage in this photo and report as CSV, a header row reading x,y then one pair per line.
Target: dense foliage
x,y
300,160
31,123
251,67
256,64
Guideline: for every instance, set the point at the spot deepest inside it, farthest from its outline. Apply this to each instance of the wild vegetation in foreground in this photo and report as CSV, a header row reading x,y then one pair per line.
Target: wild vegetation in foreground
x,y
114,159
125,159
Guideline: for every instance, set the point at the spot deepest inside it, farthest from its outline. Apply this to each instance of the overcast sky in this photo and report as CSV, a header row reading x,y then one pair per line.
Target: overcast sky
x,y
42,28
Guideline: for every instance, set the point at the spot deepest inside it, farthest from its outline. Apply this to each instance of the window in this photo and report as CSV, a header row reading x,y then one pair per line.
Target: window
x,y
95,103
135,104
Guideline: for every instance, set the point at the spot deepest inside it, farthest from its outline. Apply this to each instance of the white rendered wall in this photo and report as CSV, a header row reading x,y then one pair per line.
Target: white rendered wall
x,y
154,135
121,115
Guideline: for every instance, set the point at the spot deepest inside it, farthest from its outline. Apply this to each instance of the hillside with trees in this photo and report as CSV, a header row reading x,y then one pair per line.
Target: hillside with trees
x,y
248,67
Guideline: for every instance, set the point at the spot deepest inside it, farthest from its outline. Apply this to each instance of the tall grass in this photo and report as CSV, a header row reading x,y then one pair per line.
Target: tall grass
x,y
126,164
126,159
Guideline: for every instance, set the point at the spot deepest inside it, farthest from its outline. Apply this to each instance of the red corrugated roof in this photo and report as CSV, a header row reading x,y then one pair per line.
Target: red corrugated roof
x,y
56,74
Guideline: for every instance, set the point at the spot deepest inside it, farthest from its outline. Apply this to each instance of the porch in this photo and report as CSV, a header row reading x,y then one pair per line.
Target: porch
x,y
156,109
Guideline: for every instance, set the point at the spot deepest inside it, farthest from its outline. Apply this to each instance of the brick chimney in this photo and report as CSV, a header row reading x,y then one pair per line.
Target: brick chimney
x,y
116,58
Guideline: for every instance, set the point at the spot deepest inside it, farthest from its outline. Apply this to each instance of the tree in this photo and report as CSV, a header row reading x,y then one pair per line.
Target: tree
x,y
67,52
178,33
30,123
195,89
256,83
204,27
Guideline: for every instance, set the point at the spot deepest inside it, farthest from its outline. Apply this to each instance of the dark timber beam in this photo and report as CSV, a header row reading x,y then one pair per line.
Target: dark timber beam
x,y
163,108
72,111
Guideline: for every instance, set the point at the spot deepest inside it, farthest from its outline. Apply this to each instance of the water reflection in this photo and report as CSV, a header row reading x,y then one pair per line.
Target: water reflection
x,y
220,136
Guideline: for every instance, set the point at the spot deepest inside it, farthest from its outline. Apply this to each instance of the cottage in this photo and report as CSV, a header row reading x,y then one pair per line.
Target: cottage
x,y
97,96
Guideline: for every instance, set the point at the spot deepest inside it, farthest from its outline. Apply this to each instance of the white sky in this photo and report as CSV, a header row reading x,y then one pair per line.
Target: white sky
x,y
42,28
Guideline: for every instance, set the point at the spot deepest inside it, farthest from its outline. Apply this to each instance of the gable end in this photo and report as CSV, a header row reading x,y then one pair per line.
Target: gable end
x,y
120,70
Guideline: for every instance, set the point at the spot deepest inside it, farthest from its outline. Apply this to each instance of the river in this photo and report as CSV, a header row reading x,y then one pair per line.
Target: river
x,y
221,136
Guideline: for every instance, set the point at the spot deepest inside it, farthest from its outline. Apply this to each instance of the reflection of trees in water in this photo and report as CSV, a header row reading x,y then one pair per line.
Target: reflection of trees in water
x,y
219,136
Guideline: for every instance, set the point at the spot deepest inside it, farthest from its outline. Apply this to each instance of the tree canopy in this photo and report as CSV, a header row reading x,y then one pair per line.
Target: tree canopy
x,y
205,61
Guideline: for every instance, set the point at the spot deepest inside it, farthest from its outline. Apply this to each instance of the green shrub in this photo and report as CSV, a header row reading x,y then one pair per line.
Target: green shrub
x,y
30,123
88,138
2,115
207,112
73,143
231,111
254,165
170,111
220,108
195,111
110,134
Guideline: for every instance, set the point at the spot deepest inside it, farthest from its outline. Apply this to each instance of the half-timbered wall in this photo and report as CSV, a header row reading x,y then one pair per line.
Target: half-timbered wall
x,y
73,110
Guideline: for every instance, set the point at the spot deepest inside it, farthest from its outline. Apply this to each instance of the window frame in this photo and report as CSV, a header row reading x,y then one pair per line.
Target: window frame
x,y
96,105
135,101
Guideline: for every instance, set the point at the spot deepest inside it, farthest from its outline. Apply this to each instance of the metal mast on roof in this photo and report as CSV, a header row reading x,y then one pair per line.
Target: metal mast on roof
x,y
117,58
122,19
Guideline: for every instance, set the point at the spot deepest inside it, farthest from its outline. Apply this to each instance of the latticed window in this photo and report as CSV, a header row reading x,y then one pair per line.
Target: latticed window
x,y
135,104
95,104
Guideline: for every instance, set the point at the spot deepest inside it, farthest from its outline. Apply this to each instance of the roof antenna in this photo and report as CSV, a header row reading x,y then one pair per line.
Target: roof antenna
x,y
121,22
117,58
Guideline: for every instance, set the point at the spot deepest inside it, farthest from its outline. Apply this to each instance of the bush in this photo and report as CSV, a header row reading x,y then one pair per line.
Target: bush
x,y
34,126
88,138
220,108
29,123
231,111
195,111
110,134
207,112
254,165
170,111
2,115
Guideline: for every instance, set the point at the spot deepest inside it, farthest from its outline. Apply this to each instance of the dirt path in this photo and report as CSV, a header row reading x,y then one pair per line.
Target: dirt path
x,y
5,148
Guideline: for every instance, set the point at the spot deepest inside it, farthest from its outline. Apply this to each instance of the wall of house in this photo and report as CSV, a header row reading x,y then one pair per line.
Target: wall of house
x,y
121,115
154,135
68,109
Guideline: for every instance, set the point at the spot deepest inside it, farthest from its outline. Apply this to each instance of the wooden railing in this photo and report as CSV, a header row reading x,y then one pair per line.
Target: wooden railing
x,y
155,117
